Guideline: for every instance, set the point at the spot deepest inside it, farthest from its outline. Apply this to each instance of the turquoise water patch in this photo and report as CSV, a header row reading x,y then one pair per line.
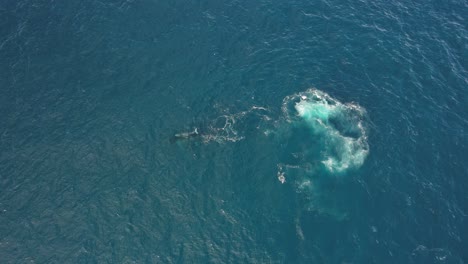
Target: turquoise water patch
x,y
338,127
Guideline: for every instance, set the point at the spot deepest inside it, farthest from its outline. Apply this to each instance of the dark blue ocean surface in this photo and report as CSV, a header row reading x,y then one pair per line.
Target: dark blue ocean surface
x,y
315,131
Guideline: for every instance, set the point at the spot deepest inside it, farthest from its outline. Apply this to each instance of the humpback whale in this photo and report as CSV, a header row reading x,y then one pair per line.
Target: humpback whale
x,y
194,133
185,135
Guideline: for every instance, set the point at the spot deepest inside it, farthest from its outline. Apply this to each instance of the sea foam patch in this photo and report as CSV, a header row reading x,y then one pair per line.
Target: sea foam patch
x,y
339,127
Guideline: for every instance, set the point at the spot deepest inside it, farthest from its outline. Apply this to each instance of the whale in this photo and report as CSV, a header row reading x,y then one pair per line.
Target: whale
x,y
185,135
194,133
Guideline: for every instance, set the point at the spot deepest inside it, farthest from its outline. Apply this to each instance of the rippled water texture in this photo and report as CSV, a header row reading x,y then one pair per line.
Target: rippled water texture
x,y
233,131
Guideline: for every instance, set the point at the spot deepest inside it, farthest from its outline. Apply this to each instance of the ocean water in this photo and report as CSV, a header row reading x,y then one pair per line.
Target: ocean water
x,y
315,131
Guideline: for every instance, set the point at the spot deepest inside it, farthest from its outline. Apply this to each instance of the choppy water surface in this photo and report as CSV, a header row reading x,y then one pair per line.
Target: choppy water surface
x,y
233,132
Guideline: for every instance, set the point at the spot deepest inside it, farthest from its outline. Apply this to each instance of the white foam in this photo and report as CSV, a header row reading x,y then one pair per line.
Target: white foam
x,y
322,113
225,129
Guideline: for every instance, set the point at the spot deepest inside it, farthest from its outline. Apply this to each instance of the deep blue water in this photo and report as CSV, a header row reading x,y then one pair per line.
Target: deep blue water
x,y
92,94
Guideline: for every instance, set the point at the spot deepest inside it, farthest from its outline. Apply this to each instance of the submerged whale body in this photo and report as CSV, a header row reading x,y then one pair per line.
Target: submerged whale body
x,y
185,135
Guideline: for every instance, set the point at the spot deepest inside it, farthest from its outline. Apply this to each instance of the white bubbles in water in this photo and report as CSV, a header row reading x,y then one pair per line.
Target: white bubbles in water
x,y
336,134
231,127
338,126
